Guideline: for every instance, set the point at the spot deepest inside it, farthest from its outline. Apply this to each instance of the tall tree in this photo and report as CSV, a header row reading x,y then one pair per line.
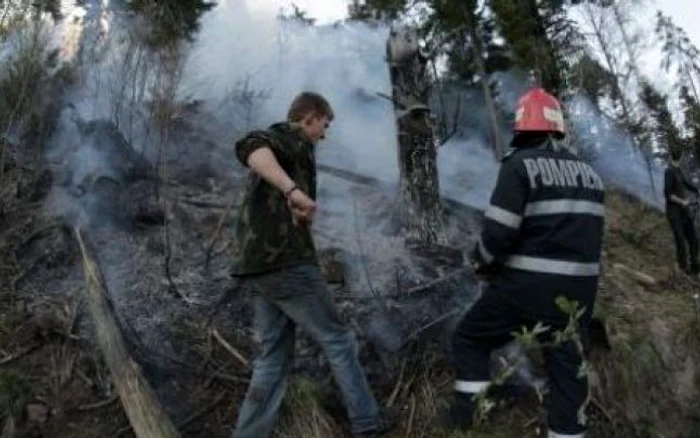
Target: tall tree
x,y
468,34
619,47
679,51
600,20
665,134
542,38
691,116
172,19
377,9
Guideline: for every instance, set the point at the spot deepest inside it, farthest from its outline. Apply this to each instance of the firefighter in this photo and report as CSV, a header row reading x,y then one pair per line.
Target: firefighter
x,y
542,239
679,216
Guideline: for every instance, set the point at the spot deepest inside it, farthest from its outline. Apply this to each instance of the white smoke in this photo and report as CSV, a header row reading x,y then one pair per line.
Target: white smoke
x,y
613,154
344,62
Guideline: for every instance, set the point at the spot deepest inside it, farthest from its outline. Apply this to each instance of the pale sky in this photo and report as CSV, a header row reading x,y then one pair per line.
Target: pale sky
x,y
685,13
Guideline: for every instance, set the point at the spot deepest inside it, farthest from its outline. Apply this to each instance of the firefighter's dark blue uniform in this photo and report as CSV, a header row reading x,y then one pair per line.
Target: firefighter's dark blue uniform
x,y
542,239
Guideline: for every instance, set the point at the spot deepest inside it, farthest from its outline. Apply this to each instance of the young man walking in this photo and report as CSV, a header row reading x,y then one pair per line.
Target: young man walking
x,y
276,259
679,216
542,239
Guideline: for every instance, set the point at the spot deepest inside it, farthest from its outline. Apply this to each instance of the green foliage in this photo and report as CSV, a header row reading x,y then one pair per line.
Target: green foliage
x,y
691,115
541,38
592,79
377,9
664,130
677,48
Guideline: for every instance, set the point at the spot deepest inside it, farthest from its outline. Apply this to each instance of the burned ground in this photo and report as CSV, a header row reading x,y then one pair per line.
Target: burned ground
x,y
189,326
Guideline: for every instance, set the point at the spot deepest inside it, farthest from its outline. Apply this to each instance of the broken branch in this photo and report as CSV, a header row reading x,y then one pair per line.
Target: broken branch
x,y
219,226
228,347
19,354
146,416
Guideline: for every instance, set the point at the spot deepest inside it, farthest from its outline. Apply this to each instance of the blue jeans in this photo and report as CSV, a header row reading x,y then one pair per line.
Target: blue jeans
x,y
283,300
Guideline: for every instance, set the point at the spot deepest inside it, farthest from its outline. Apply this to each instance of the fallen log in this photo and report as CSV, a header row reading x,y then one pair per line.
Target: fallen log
x,y
147,417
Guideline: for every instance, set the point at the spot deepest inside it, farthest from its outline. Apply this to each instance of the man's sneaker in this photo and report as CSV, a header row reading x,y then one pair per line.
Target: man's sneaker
x,y
385,422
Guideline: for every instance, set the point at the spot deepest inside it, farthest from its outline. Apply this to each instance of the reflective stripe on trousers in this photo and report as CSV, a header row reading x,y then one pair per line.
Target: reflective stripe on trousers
x,y
550,266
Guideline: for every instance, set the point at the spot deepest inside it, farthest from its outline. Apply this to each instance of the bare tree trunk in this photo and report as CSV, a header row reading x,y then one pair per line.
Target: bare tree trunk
x,y
142,407
619,19
494,123
612,67
420,209
632,69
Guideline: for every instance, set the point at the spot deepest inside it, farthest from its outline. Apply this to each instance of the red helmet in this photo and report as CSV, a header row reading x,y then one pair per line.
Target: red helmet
x,y
539,111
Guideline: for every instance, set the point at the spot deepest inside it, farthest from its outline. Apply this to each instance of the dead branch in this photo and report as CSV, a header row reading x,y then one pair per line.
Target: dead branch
x,y
412,415
357,178
639,277
413,336
99,404
25,351
146,416
19,277
432,283
397,388
203,410
9,429
219,226
375,293
205,204
228,347
602,409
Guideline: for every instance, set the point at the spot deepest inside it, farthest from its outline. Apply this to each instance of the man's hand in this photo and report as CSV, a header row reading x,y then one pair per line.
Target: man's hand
x,y
302,207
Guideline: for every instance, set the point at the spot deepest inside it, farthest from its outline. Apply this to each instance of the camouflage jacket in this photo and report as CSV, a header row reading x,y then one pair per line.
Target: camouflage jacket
x,y
266,238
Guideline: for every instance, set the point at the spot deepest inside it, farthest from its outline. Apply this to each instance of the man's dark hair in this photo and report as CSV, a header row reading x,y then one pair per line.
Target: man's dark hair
x,y
309,103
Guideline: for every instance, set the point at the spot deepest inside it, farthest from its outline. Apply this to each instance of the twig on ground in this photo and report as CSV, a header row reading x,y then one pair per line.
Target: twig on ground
x,y
19,354
434,282
99,404
531,421
228,347
84,377
363,261
602,409
397,388
205,204
432,323
203,410
219,226
411,415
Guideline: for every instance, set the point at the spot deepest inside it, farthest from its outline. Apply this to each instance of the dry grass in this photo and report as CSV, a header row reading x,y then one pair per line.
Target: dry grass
x,y
303,413
22,75
648,382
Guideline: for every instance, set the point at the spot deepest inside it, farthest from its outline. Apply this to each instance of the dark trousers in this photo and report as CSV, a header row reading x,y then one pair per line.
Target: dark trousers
x,y
684,234
488,326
